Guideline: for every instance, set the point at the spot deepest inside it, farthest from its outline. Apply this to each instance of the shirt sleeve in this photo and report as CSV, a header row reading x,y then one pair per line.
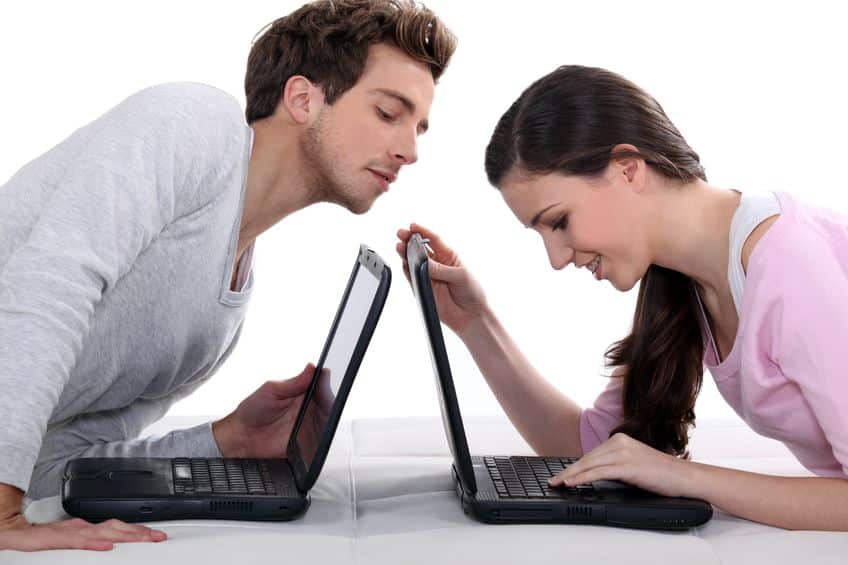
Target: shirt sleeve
x,y
124,178
111,434
115,433
597,422
812,332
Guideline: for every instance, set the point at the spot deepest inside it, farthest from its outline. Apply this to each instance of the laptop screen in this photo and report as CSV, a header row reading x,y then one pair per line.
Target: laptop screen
x,y
451,417
340,358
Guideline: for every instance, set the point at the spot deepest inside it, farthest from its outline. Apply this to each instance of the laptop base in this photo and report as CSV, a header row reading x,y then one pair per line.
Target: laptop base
x,y
145,489
626,507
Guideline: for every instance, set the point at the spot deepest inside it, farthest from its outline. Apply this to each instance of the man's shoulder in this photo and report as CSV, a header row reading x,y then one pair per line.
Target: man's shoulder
x,y
186,100
193,131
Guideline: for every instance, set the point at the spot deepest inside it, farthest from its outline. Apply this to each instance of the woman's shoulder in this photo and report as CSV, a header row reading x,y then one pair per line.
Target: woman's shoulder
x,y
804,240
798,273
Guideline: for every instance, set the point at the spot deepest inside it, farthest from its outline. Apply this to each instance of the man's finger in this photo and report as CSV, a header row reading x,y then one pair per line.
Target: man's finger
x,y
296,385
76,540
136,529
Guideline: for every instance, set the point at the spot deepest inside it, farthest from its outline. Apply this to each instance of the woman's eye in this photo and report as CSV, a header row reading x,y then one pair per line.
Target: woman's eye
x,y
560,224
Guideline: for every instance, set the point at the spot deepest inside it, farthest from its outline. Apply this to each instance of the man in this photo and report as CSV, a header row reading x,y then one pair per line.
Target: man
x,y
126,251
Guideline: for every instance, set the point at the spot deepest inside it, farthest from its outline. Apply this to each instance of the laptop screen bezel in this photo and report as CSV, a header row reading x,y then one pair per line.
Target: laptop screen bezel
x,y
417,259
371,262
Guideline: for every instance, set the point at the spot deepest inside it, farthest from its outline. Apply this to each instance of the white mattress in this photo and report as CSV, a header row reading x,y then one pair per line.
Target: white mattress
x,y
385,496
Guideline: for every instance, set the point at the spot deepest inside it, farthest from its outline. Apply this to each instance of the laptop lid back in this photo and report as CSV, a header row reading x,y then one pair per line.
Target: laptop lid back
x,y
416,256
353,326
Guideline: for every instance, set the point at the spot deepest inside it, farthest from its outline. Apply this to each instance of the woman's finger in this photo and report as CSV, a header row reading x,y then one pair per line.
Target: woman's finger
x,y
445,273
401,250
443,253
598,457
599,473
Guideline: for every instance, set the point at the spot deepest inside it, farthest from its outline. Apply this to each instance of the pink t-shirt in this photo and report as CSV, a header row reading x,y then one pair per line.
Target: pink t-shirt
x,y
787,373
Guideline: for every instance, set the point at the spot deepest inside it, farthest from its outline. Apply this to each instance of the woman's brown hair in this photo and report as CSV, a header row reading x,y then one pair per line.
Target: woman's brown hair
x,y
327,41
568,122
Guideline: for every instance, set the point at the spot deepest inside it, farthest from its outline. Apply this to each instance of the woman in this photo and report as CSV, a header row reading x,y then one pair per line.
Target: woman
x,y
753,287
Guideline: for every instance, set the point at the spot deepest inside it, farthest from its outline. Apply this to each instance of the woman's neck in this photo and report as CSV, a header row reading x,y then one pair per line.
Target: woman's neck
x,y
692,235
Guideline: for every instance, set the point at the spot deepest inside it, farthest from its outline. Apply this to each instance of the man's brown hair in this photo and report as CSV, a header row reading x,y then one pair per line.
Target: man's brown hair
x,y
327,41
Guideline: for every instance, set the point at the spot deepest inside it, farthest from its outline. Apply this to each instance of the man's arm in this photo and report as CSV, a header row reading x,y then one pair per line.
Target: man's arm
x,y
123,181
115,433
259,427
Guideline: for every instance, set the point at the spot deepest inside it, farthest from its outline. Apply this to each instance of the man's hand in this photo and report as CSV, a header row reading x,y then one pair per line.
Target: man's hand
x,y
16,533
261,425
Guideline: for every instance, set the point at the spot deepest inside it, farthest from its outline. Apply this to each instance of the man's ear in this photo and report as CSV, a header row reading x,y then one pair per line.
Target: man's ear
x,y
632,169
298,99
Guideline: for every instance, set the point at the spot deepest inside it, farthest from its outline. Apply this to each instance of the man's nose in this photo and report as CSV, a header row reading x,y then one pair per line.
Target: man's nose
x,y
406,150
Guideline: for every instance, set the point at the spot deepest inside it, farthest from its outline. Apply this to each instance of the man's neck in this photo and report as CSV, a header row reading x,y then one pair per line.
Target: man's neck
x,y
276,180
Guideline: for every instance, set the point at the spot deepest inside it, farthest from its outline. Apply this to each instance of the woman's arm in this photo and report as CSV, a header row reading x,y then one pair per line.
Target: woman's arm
x,y
546,418
798,503
795,503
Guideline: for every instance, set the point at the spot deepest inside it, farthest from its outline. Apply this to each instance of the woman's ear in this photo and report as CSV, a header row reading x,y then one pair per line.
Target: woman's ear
x,y
629,168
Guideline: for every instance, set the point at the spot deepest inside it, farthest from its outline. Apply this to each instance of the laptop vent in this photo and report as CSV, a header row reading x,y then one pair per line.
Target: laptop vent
x,y
230,506
579,512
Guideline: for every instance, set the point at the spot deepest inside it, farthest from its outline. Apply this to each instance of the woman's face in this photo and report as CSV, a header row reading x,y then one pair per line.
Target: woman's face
x,y
594,222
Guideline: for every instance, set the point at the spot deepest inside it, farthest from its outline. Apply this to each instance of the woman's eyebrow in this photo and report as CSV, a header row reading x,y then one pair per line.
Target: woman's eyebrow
x,y
538,216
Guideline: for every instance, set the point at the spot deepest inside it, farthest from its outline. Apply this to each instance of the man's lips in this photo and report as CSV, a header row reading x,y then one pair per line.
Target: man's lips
x,y
389,176
383,178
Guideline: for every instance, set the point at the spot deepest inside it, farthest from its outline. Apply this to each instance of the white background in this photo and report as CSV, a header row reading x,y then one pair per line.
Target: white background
x,y
756,88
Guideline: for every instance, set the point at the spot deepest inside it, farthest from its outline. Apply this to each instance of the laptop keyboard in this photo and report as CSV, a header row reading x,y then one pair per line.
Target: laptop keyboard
x,y
527,477
221,476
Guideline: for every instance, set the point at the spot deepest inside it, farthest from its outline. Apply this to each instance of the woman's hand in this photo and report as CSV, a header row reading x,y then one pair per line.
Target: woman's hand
x,y
625,459
18,534
459,297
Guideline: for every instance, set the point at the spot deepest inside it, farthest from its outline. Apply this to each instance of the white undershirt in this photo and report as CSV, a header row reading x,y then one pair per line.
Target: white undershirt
x,y
245,265
753,209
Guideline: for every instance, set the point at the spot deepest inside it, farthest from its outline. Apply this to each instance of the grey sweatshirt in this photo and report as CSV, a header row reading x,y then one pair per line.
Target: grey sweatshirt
x,y
116,255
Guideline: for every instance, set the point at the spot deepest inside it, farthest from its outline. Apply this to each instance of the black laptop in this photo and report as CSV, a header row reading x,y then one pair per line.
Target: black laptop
x,y
136,489
514,489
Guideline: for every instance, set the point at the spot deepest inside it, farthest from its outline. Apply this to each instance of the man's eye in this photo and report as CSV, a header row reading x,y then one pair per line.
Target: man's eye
x,y
384,115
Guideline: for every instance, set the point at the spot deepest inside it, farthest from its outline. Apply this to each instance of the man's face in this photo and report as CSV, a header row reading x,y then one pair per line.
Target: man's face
x,y
357,146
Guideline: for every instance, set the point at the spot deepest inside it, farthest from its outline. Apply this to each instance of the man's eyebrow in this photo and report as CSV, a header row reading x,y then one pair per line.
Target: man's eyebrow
x,y
538,216
407,103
